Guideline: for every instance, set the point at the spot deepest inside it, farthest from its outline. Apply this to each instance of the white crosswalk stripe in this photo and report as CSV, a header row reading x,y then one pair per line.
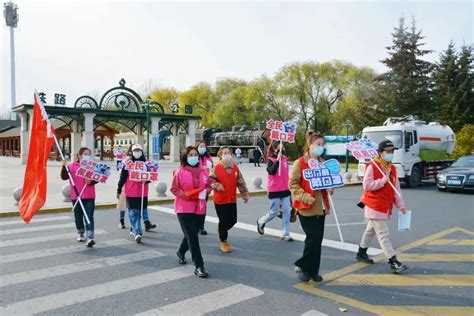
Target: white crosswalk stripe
x,y
55,271
209,302
37,220
314,313
33,240
35,229
58,251
81,295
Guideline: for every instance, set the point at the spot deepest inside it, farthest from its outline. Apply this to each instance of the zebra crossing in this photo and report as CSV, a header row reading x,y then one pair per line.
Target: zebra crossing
x,y
22,246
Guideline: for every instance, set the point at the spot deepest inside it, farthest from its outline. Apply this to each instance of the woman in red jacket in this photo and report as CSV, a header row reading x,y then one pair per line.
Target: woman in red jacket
x,y
191,186
226,178
378,200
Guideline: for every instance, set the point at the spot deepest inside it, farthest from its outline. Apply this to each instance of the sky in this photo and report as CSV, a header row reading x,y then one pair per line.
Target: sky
x,y
85,47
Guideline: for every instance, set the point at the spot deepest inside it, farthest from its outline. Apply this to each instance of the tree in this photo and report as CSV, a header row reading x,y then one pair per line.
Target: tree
x,y
465,83
464,141
167,97
230,109
406,87
203,99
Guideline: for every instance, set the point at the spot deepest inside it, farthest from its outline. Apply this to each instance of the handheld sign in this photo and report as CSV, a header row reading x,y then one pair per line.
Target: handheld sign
x,y
282,131
142,170
363,149
324,175
93,171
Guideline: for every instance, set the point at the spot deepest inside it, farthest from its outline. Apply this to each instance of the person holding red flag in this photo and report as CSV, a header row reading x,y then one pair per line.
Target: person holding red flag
x,y
34,192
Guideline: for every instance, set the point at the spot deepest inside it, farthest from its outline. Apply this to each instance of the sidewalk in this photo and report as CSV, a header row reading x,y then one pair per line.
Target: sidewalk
x,y
12,173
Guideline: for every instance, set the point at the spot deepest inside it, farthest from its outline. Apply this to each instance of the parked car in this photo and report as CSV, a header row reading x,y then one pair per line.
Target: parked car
x,y
458,176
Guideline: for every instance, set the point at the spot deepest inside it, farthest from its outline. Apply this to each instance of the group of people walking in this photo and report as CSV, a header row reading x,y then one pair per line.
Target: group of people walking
x,y
288,193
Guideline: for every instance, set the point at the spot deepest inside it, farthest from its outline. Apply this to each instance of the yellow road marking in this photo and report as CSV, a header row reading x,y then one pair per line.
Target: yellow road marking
x,y
405,280
450,257
453,242
387,309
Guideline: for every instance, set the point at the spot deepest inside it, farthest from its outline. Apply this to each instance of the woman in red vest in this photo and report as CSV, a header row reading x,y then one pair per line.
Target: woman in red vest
x,y
226,178
312,207
191,186
378,200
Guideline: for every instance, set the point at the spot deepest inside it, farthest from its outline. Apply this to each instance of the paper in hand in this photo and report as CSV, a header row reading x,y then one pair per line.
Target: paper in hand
x,y
404,221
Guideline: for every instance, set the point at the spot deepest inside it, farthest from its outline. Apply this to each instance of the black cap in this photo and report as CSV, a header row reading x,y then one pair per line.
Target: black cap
x,y
386,145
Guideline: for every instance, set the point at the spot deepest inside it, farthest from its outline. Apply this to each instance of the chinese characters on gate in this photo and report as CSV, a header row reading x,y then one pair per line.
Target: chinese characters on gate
x,y
282,131
59,98
362,149
324,175
94,171
142,170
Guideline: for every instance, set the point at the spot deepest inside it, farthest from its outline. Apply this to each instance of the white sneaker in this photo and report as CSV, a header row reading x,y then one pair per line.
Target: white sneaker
x,y
138,239
287,238
81,238
90,243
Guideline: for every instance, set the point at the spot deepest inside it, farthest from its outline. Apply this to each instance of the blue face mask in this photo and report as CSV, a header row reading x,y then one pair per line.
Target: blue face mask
x,y
202,150
318,150
193,160
388,157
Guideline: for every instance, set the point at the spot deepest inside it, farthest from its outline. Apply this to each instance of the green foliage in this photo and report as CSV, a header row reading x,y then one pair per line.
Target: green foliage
x,y
464,141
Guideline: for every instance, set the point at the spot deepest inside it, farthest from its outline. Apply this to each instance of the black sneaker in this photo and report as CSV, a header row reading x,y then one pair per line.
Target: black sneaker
x,y
317,278
181,258
122,224
303,276
201,231
90,243
396,266
201,272
260,228
149,226
362,256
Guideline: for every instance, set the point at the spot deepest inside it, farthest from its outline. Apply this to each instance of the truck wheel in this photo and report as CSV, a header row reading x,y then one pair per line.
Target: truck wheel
x,y
414,179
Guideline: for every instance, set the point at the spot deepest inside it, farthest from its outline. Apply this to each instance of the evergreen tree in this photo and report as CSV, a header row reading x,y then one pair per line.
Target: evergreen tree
x,y
465,84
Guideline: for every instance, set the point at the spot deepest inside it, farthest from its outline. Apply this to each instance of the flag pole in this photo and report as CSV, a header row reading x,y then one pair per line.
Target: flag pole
x,y
143,193
80,194
335,217
279,165
72,180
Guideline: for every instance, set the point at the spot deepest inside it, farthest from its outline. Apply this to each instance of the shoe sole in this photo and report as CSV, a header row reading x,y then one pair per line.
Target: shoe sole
x,y
138,240
201,276
90,245
365,261
260,229
399,271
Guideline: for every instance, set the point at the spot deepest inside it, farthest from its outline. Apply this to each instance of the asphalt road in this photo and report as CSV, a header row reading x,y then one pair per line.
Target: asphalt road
x,y
44,270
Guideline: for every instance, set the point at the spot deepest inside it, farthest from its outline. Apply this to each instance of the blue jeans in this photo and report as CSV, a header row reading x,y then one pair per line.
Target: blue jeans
x,y
89,205
135,217
275,204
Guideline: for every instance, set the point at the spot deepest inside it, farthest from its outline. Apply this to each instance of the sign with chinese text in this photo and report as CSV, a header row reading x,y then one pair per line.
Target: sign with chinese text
x,y
94,171
362,149
282,131
142,170
324,175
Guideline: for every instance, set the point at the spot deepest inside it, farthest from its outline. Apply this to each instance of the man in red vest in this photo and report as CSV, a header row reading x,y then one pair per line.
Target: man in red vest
x,y
378,200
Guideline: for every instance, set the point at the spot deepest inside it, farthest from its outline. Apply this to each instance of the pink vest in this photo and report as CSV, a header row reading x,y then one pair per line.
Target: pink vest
x,y
186,183
277,183
89,192
203,161
133,189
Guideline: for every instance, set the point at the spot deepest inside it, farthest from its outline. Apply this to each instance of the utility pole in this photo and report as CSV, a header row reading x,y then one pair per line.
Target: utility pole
x,y
11,18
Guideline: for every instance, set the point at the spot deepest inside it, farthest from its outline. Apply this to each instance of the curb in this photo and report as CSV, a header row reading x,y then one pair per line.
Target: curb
x,y
113,205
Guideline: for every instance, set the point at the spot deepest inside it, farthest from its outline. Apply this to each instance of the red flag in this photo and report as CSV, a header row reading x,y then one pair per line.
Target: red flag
x,y
33,195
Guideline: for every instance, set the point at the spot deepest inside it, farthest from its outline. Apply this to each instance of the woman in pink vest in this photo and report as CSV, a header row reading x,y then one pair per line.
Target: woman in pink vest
x,y
191,185
205,161
278,191
87,187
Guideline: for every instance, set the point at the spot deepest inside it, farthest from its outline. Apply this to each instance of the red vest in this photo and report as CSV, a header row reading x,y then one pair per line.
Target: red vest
x,y
307,188
381,200
229,181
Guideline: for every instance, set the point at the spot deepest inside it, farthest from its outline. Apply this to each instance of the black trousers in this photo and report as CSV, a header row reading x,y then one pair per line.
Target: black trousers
x,y
189,225
313,227
227,214
201,220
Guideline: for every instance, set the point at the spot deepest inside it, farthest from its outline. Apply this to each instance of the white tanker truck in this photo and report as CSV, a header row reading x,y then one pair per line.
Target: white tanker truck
x,y
423,149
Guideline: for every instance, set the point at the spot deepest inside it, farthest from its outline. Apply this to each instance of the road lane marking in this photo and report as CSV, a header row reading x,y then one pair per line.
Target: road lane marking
x,y
404,280
24,230
82,266
89,293
33,240
59,251
448,257
207,303
37,220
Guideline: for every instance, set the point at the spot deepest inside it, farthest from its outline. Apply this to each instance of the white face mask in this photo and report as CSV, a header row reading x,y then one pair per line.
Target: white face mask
x,y
86,158
227,157
137,154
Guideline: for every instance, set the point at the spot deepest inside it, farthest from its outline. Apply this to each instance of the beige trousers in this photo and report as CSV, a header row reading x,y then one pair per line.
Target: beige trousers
x,y
378,227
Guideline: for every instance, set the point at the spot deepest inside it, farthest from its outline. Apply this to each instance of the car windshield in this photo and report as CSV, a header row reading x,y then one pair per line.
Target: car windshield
x,y
464,162
394,136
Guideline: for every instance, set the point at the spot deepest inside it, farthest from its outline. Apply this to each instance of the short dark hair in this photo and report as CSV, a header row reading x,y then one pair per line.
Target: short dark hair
x,y
185,153
80,152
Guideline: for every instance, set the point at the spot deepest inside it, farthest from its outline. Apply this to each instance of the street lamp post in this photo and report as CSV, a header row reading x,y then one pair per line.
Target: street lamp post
x,y
148,129
11,19
347,124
